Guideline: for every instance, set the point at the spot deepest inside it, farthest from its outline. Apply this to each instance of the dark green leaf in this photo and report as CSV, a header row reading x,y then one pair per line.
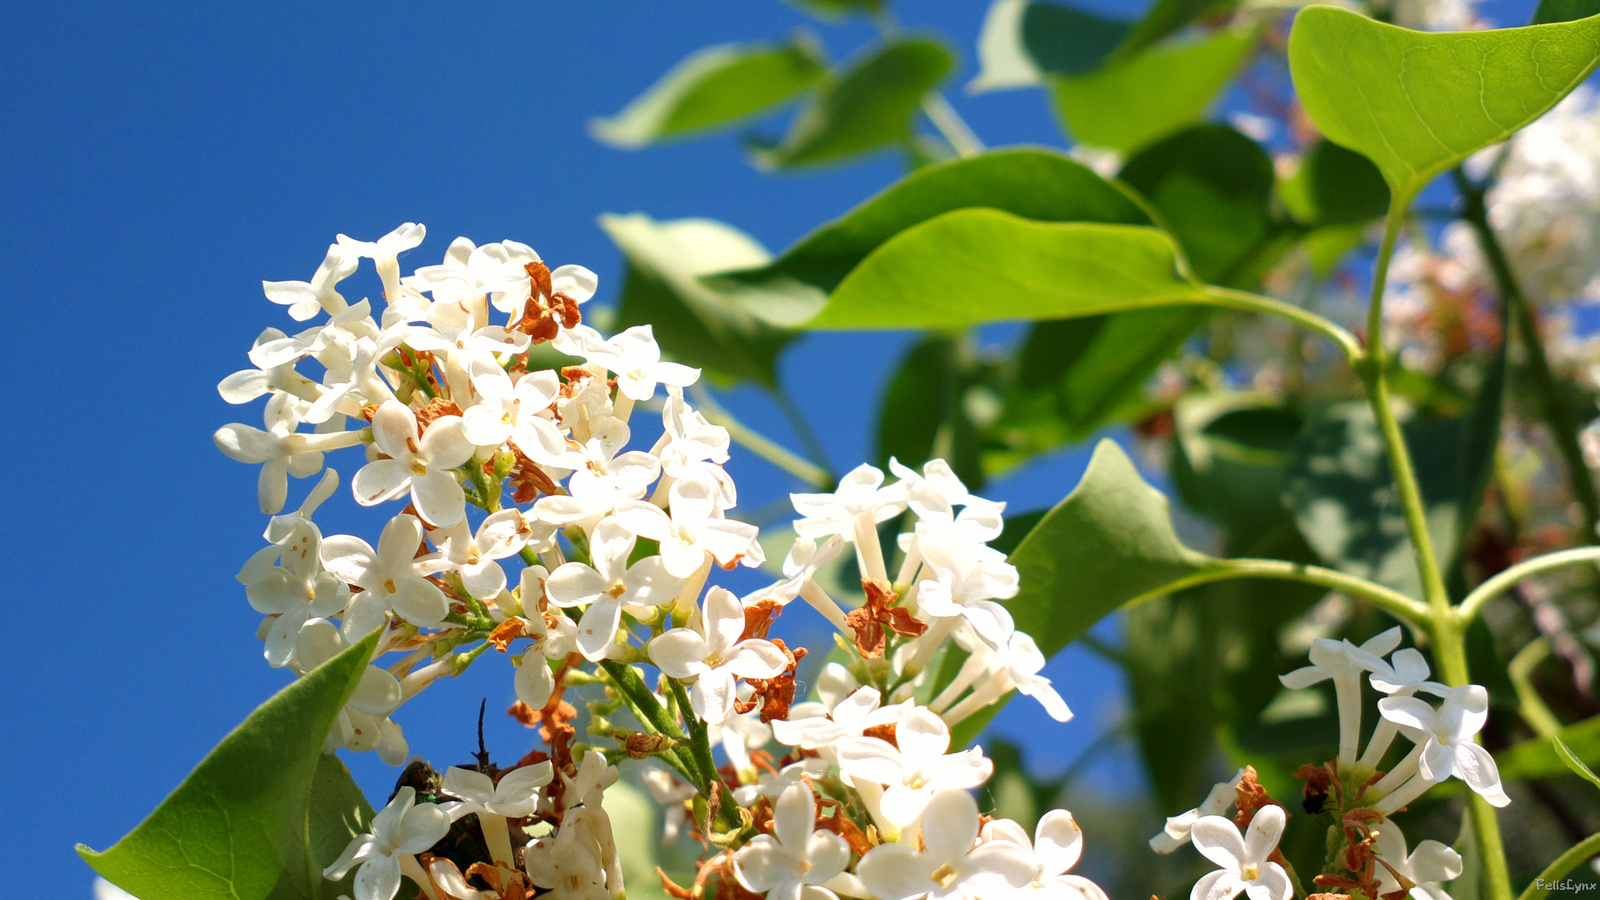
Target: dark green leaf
x,y
1213,188
834,10
1167,17
1073,376
696,324
923,413
1130,103
237,827
1034,184
713,88
1066,40
1417,103
1230,454
1564,10
973,266
339,812
1344,500
869,106
1335,186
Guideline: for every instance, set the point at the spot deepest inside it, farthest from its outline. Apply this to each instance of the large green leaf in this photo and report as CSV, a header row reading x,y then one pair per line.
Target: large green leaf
x,y
1564,10
869,106
713,88
1213,188
1035,184
1418,103
1230,454
1344,500
1336,186
1109,542
696,324
1070,377
1023,40
973,266
1130,103
244,825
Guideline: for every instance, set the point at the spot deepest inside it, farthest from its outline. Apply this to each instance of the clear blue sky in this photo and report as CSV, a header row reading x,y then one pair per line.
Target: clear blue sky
x,y
159,160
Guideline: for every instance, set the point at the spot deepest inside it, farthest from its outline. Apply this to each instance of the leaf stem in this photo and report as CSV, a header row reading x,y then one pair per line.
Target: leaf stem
x,y
1559,869
1385,598
1531,706
1557,416
950,124
1232,299
801,426
1505,580
760,444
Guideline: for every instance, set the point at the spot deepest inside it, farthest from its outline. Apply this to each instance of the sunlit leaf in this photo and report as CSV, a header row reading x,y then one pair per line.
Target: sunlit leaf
x,y
239,827
1034,184
973,266
1417,103
1134,101
713,88
694,323
869,106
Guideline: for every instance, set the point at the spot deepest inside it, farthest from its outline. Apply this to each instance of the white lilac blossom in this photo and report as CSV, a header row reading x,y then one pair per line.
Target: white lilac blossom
x,y
797,858
1179,827
392,578
1344,663
400,830
709,653
915,767
1241,859
1425,867
514,796
418,464
1444,747
604,589
951,864
1057,846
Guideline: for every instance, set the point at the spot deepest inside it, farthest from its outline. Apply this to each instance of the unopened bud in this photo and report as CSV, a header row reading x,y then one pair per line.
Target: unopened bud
x,y
640,745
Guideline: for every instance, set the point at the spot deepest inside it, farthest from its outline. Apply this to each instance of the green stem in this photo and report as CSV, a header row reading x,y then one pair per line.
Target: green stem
x,y
802,429
1557,415
1392,601
700,747
950,124
1563,865
1531,706
759,444
1446,629
1232,299
1507,579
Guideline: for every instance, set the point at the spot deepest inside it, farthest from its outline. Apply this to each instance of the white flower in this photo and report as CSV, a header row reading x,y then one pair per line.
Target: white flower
x,y
515,796
821,727
608,586
385,253
500,535
1242,858
401,829
1405,674
305,299
391,577
1444,747
671,795
280,452
952,864
694,529
915,767
1345,663
860,493
1176,833
1056,847
510,412
420,466
298,587
791,862
1015,665
964,579
635,358
1427,866
709,653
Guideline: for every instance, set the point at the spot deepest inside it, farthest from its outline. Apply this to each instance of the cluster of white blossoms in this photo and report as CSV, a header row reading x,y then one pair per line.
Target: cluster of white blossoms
x,y
1351,788
499,431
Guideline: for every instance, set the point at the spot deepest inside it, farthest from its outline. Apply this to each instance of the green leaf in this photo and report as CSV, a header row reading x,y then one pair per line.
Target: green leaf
x,y
1022,40
1564,10
1034,184
696,324
1166,18
1230,454
239,826
1336,186
834,10
339,812
973,266
1070,377
1344,500
1417,103
871,105
713,88
923,412
1108,543
1573,762
1130,103
1213,188
1540,758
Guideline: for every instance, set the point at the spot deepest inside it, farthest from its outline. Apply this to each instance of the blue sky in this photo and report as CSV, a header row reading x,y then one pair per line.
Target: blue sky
x,y
161,160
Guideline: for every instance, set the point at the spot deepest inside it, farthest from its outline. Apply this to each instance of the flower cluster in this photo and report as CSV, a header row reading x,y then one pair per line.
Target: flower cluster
x,y
528,518
1359,797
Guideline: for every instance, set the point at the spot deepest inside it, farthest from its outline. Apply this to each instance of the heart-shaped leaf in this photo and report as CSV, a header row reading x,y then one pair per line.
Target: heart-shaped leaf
x,y
1417,103
239,827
